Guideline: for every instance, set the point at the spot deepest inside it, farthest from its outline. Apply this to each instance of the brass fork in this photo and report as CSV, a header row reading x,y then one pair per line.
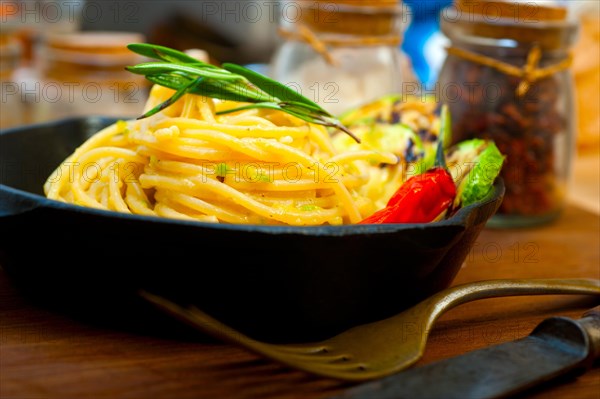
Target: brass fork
x,y
383,347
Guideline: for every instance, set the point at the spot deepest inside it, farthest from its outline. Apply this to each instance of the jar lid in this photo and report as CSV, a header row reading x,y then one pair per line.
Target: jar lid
x,y
93,48
521,23
351,17
526,12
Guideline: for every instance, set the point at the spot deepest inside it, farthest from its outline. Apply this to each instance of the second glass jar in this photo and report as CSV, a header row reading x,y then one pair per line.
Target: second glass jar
x,y
510,82
340,54
83,74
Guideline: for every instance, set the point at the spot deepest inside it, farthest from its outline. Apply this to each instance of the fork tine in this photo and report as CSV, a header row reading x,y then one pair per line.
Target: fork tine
x,y
336,369
313,357
331,369
197,318
308,349
323,359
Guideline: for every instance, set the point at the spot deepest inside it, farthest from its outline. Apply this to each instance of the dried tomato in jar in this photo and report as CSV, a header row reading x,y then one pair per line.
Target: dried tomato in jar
x,y
507,78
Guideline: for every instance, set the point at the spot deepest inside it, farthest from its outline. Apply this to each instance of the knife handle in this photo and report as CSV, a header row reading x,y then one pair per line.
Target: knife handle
x,y
591,324
580,335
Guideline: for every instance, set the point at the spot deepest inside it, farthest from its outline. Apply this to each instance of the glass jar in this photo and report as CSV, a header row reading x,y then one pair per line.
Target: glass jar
x,y
508,79
83,73
341,53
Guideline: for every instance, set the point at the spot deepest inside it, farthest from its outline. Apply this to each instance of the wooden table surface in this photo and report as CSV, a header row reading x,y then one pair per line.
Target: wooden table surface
x,y
48,353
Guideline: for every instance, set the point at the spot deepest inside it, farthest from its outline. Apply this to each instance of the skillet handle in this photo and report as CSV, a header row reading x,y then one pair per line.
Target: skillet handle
x,y
15,202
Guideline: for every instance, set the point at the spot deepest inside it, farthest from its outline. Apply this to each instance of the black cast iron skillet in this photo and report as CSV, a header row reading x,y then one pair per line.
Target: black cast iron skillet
x,y
275,283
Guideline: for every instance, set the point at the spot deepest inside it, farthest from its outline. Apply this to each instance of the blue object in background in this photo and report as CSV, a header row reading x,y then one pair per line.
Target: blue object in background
x,y
423,42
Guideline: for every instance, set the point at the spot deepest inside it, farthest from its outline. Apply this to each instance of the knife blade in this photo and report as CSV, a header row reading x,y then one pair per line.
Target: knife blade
x,y
557,347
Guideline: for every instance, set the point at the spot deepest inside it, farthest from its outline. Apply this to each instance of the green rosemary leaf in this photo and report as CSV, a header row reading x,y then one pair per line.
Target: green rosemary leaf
x,y
216,89
298,112
224,90
302,107
303,116
178,94
153,68
334,123
240,91
185,74
277,90
170,81
268,105
308,117
165,54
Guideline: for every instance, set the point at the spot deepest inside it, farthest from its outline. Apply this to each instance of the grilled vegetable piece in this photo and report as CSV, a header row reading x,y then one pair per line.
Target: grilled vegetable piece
x,y
477,164
423,198
407,126
380,110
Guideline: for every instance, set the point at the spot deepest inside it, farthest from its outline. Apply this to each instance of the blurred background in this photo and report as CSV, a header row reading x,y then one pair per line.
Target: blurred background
x,y
237,31
244,32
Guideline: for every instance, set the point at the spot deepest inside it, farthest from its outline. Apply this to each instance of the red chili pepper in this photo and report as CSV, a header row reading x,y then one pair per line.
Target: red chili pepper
x,y
421,199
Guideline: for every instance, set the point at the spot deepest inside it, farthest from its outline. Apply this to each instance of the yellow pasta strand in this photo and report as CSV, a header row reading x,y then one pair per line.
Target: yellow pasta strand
x,y
188,162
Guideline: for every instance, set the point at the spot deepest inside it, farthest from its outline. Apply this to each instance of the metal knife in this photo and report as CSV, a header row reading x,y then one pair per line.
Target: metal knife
x,y
557,347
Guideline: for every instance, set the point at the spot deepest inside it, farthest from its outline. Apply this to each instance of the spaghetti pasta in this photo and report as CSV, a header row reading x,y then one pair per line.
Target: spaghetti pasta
x,y
256,166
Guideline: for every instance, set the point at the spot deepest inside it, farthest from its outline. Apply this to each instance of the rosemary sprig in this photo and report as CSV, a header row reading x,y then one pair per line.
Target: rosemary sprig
x,y
185,74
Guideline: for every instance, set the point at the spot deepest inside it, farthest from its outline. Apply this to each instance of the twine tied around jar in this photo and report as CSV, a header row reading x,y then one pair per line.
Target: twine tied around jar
x,y
322,45
529,73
